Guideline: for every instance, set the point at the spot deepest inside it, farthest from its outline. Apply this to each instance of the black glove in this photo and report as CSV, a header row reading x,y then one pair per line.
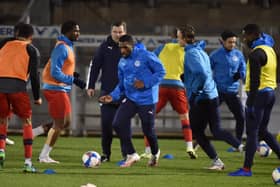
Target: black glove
x,y
80,83
236,76
76,74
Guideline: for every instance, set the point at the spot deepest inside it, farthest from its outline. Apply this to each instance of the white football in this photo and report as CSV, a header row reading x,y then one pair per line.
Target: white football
x,y
263,149
91,159
276,176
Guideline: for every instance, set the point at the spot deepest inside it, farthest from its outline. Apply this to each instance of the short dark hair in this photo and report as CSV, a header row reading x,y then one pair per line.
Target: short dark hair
x,y
252,29
187,31
25,30
68,26
227,34
17,26
119,23
126,38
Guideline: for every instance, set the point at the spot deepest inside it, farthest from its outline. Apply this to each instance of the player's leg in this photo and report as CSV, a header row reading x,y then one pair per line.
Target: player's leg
x,y
3,135
162,101
22,107
252,131
179,103
107,115
60,110
147,116
8,140
42,129
237,109
4,113
264,134
199,120
235,106
27,142
215,125
121,125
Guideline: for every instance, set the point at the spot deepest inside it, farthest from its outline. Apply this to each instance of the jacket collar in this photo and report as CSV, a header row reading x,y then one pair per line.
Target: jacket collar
x,y
65,39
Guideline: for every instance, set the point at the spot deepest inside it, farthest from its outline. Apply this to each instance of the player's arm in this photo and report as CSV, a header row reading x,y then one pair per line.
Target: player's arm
x,y
58,57
157,70
34,63
105,99
95,67
242,67
197,71
212,60
158,50
257,59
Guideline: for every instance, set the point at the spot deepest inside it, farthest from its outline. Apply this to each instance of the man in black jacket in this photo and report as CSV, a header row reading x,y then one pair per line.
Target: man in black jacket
x,y
260,85
106,60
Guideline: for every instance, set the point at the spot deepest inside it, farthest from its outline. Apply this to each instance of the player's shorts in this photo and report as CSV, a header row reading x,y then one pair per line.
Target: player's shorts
x,y
176,97
58,102
18,102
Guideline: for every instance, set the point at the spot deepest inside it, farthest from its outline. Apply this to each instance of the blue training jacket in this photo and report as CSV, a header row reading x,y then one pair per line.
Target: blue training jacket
x,y
198,73
58,56
139,65
225,64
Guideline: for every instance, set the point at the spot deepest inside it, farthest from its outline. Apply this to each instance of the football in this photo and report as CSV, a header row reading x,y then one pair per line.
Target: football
x,y
263,149
276,176
91,159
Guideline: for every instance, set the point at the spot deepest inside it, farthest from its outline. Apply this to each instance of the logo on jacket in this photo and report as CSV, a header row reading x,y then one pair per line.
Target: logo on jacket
x,y
137,63
110,47
235,58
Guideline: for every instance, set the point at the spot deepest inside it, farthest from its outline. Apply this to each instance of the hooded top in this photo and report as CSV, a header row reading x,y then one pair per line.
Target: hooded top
x,y
198,73
141,65
261,68
225,64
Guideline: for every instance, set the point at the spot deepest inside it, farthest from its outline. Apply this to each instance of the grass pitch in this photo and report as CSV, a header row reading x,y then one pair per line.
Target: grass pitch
x,y
180,171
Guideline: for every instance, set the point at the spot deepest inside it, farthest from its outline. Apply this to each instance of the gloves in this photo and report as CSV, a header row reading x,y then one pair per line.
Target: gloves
x,y
80,83
76,74
236,76
250,112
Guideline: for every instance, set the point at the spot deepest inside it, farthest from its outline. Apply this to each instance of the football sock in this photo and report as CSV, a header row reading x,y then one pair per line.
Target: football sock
x,y
45,151
189,144
187,132
28,161
38,131
3,135
27,140
148,149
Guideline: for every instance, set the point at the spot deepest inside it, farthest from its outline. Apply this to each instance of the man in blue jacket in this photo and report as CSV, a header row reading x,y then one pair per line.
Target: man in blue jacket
x,y
106,60
228,66
140,73
203,96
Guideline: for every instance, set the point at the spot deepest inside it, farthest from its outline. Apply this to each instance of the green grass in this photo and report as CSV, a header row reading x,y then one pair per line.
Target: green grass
x,y
181,171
